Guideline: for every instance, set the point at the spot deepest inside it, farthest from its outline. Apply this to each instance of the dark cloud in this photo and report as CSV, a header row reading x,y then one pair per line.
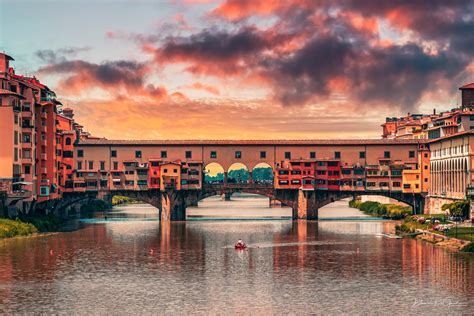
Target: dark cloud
x,y
50,56
110,73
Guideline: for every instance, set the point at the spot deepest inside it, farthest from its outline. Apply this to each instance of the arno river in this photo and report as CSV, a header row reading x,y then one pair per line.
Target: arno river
x,y
132,263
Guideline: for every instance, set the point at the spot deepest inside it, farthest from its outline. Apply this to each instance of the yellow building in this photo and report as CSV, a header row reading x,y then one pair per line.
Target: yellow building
x,y
411,180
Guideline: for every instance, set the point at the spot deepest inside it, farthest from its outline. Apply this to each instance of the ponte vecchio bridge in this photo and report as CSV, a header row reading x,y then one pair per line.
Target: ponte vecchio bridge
x,y
308,174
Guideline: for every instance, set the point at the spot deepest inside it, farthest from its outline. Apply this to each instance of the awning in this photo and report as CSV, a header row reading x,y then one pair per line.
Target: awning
x,y
116,180
22,183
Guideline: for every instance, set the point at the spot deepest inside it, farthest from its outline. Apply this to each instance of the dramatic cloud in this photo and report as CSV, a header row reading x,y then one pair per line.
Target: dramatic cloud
x,y
121,74
314,46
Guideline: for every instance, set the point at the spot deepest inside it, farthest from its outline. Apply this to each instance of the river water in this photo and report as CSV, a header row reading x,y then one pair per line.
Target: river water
x,y
133,264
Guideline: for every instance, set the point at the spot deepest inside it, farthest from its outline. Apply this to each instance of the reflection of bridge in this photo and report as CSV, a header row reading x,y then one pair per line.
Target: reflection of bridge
x,y
172,204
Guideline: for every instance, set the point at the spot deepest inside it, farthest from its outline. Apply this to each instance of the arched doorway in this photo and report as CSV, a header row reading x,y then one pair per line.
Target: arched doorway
x,y
238,173
262,173
213,173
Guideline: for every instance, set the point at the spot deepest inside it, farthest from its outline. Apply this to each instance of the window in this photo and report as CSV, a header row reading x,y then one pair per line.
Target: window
x,y
80,153
68,154
213,154
115,165
102,165
26,138
27,169
396,184
337,154
138,154
164,154
263,154
91,165
155,163
346,171
386,154
425,155
426,167
175,170
16,138
471,117
68,141
312,155
283,172
142,182
189,154
283,182
411,154
165,170
79,165
406,186
287,155
26,153
113,153
238,154
361,154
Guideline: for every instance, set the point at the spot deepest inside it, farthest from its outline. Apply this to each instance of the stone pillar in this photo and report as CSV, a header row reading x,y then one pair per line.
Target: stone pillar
x,y
306,206
250,177
227,196
225,177
173,206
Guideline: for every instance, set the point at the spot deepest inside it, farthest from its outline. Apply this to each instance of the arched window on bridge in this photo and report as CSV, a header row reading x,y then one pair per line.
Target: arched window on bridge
x,y
238,173
262,174
213,173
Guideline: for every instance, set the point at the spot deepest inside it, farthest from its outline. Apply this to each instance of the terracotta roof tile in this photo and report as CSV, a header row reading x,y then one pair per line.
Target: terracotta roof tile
x,y
467,86
107,142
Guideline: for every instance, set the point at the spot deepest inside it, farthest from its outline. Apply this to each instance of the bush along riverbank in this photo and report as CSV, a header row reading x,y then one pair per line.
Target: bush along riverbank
x,y
437,229
376,209
12,228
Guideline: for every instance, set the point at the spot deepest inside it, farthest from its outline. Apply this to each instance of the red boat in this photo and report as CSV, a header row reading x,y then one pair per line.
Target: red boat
x,y
240,245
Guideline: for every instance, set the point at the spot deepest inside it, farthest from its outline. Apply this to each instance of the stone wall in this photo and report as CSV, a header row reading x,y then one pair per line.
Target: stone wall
x,y
433,204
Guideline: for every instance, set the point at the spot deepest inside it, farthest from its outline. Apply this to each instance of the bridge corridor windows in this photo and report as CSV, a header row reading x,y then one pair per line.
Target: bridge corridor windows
x,y
238,154
214,173
312,155
189,154
263,154
287,155
213,154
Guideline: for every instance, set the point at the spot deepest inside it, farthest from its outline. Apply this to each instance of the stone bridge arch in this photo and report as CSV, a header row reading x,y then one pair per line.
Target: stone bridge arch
x,y
416,201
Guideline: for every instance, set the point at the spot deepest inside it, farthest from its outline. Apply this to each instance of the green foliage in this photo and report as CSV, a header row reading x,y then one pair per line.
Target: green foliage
x,y
217,178
44,223
95,206
468,248
117,199
12,228
379,209
238,175
262,174
458,208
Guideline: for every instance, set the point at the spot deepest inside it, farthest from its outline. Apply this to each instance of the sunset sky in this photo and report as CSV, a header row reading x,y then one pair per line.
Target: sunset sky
x,y
184,69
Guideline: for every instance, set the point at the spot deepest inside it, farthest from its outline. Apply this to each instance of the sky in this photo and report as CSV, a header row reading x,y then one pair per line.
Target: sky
x,y
243,69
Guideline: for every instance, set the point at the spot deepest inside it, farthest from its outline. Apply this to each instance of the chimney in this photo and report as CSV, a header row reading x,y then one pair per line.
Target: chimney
x,y
68,112
5,62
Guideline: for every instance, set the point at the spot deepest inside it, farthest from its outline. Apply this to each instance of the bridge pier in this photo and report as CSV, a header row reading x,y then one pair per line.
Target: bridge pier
x,y
306,206
227,196
173,206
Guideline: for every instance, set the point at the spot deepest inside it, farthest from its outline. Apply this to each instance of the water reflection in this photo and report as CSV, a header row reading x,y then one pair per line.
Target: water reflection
x,y
291,267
